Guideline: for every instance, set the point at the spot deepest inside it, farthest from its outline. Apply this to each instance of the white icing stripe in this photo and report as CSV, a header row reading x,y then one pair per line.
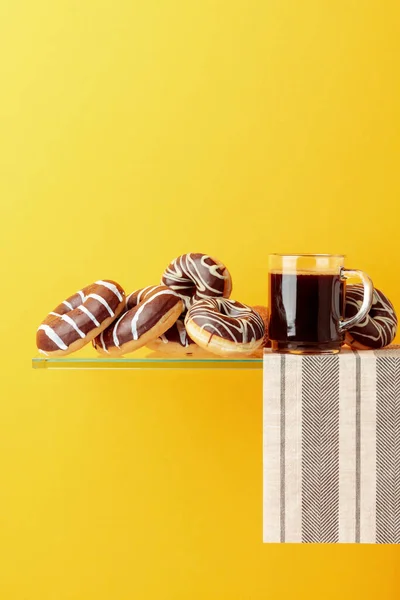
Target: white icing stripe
x,y
115,337
71,322
141,308
139,295
144,292
51,334
102,342
68,305
214,269
112,287
55,314
82,295
102,301
90,315
207,326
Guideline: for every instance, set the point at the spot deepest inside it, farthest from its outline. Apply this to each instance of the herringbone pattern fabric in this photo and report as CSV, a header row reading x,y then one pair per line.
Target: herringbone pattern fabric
x,y
320,448
388,451
331,429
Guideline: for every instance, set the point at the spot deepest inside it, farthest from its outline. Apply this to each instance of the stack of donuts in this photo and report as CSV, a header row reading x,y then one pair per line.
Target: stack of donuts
x,y
189,314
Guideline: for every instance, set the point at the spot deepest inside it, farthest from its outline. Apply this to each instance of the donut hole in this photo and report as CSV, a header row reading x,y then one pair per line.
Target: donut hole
x,y
229,308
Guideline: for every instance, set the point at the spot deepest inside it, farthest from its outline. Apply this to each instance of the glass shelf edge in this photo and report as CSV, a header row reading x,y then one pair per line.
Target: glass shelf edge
x,y
145,363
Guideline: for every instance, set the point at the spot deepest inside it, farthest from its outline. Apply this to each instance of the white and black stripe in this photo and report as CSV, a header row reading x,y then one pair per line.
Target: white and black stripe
x,y
332,447
388,450
320,446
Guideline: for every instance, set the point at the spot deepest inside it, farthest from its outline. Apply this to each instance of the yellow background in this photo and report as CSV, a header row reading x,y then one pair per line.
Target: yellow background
x,y
133,131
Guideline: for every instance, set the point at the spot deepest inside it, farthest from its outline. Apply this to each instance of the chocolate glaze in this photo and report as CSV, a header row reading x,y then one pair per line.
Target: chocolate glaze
x,y
70,322
195,276
75,300
227,319
177,334
137,296
44,344
145,308
379,328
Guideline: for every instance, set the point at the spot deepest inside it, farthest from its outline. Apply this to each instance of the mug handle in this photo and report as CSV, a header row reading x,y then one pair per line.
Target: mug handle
x,y
345,324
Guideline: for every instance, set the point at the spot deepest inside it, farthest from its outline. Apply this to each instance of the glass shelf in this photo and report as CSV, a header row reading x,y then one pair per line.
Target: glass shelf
x,y
144,359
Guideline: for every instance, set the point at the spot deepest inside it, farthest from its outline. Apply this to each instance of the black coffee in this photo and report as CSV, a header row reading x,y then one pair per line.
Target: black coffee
x,y
305,310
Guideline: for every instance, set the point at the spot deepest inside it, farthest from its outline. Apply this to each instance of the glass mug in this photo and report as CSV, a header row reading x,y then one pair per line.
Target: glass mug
x,y
307,295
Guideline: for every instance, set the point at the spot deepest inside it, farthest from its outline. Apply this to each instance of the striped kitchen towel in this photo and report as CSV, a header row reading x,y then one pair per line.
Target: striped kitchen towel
x,y
332,447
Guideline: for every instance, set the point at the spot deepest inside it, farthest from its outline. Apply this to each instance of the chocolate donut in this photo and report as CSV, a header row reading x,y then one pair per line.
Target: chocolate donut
x,y
80,318
196,276
149,313
225,327
176,342
379,327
